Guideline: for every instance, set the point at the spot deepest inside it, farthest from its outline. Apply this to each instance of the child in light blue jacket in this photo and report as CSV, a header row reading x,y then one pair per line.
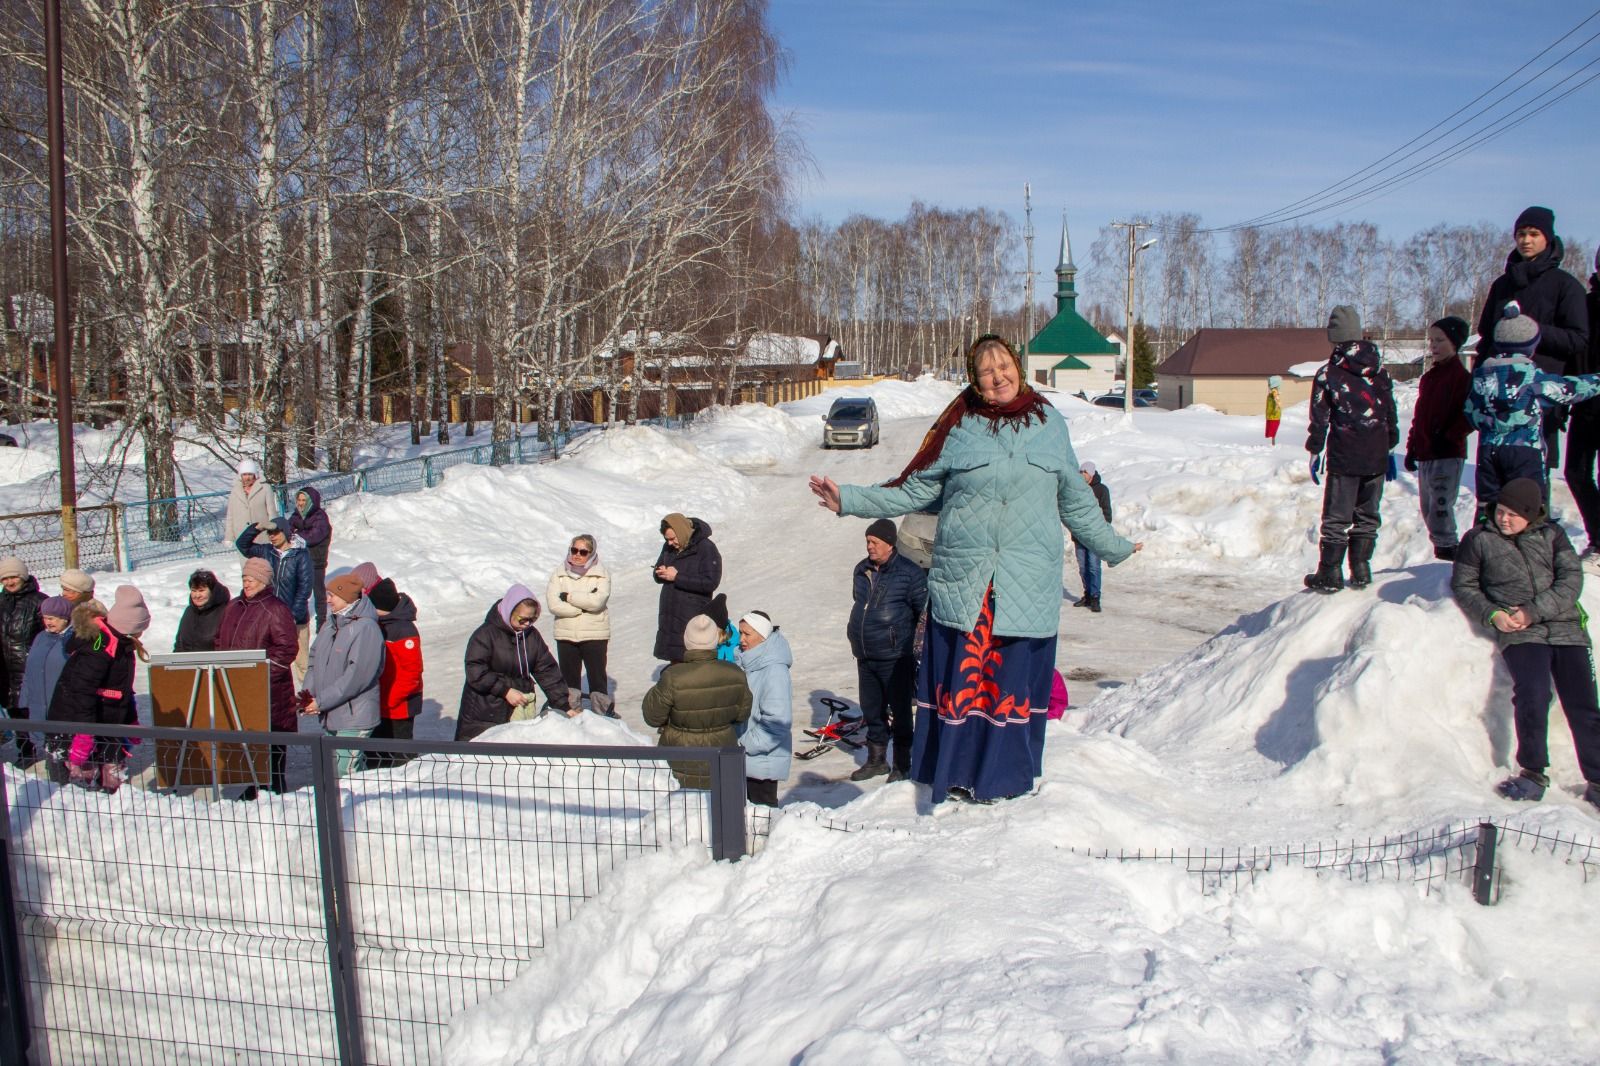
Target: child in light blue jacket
x,y
767,736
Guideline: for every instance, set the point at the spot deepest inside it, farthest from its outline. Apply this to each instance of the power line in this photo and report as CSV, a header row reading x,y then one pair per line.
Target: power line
x,y
1360,186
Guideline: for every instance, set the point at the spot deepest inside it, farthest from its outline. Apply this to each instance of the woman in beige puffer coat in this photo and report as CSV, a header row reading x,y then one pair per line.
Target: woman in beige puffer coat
x,y
577,596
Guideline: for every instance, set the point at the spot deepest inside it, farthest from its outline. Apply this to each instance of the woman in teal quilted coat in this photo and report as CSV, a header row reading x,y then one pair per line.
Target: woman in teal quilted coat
x,y
999,469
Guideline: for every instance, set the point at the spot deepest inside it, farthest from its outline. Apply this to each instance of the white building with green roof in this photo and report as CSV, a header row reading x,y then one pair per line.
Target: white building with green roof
x,y
1069,353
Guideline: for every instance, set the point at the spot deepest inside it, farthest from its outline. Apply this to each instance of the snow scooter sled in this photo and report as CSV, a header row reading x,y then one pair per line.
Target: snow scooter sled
x,y
837,730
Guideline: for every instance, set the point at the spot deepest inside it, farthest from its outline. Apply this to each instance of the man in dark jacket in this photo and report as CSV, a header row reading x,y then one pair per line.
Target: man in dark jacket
x,y
1353,416
889,593
1583,438
698,702
256,618
1517,575
1088,561
689,569
506,657
20,622
1551,297
310,523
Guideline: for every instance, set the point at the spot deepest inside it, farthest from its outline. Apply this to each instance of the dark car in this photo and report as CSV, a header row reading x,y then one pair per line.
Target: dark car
x,y
852,422
1116,399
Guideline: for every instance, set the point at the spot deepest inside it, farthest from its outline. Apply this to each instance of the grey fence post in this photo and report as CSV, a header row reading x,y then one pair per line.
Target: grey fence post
x,y
1483,866
15,1031
336,903
727,803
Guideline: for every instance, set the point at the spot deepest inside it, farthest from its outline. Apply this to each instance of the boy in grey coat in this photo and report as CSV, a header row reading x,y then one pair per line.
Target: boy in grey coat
x,y
1517,575
346,665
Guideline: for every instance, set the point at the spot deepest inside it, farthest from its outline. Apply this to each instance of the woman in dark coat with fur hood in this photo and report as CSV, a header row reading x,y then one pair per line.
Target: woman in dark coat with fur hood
x,y
506,658
689,569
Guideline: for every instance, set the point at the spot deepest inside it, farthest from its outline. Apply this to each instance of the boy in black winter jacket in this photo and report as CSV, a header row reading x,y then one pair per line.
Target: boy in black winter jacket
x,y
1517,575
1353,415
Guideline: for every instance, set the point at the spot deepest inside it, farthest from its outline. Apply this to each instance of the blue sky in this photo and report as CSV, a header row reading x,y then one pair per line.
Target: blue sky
x,y
1224,109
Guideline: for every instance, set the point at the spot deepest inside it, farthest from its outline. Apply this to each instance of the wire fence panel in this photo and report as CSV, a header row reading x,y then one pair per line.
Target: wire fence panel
x,y
171,921
405,475
459,866
159,929
35,538
184,527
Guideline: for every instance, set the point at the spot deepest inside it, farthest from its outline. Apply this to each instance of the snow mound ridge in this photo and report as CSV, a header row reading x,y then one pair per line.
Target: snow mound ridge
x,y
1338,700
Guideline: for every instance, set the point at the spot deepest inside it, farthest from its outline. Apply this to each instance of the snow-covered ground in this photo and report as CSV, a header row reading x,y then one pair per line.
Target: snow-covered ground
x,y
1214,705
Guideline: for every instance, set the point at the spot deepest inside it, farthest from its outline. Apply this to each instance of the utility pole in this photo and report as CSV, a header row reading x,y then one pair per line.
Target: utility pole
x,y
1134,248
58,249
1027,283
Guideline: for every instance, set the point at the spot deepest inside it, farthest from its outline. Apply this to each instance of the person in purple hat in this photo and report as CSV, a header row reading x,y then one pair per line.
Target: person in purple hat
x,y
506,658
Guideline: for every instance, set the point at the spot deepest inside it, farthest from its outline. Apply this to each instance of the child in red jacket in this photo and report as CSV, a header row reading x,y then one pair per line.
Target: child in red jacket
x,y
400,687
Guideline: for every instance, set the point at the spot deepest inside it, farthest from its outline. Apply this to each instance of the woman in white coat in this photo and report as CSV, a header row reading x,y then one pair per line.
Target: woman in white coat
x,y
577,596
767,736
252,500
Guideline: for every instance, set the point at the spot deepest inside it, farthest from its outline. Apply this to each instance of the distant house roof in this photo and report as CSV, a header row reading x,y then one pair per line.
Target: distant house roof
x,y
1072,362
1246,352
1069,333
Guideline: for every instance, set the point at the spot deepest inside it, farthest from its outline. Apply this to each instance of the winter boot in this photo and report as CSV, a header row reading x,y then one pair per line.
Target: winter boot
x,y
1529,785
874,766
1591,795
574,699
1081,601
1094,604
1361,562
1447,554
1329,577
603,704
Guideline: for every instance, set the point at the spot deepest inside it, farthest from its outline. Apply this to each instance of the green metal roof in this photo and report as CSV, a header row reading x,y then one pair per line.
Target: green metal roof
x,y
1069,333
1072,362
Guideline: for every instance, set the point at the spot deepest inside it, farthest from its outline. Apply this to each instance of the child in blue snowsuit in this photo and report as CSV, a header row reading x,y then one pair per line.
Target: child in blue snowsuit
x,y
1506,406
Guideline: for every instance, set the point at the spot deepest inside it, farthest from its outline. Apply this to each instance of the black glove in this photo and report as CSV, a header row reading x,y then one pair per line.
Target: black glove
x,y
1411,465
562,597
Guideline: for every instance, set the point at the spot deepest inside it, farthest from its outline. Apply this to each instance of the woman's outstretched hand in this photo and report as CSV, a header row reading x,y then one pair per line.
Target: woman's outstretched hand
x,y
826,491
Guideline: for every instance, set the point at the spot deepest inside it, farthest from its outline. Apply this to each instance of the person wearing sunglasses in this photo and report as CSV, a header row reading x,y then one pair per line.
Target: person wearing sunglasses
x,y
506,657
577,595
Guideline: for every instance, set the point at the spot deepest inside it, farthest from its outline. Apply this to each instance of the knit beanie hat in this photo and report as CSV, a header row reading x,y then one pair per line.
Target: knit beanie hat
x,y
1540,218
1524,496
77,581
128,614
701,634
1087,467
1274,381
346,586
884,530
11,566
384,596
257,569
56,607
366,573
680,526
717,611
1515,333
1344,325
1454,329
758,621
249,466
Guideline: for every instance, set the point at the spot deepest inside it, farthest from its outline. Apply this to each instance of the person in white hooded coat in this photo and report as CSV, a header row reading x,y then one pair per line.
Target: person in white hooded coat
x,y
768,735
252,500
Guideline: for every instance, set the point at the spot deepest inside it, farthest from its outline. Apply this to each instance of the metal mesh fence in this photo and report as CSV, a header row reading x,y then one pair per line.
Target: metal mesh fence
x,y
347,921
35,538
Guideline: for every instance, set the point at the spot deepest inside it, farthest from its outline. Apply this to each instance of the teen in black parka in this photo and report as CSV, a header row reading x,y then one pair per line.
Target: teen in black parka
x,y
689,569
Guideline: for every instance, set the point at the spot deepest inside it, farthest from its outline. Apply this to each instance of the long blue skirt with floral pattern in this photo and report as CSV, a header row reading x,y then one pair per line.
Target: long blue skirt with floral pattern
x,y
981,703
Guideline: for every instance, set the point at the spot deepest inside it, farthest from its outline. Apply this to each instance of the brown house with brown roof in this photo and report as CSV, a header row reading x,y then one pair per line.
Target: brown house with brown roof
x,y
1228,368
